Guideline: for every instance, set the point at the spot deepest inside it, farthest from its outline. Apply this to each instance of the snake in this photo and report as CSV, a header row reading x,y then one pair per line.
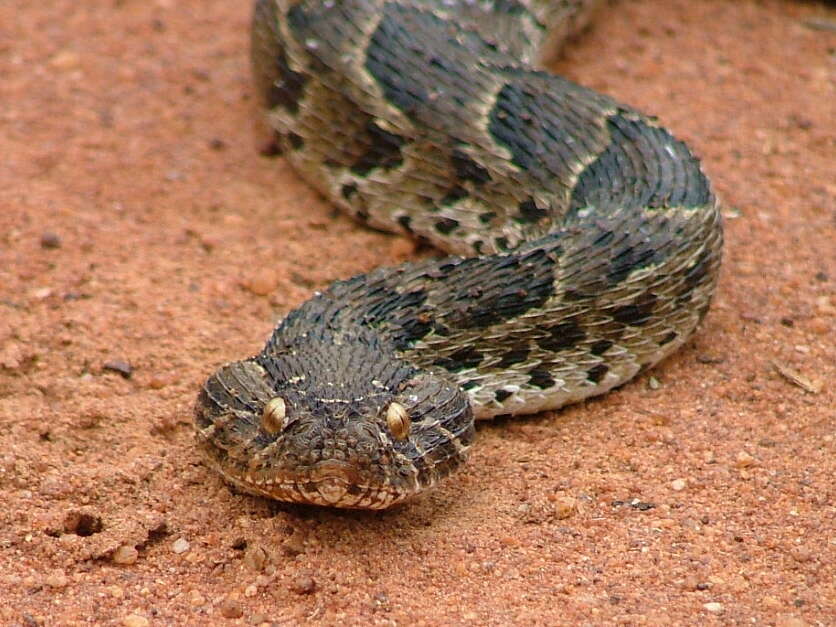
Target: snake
x,y
582,244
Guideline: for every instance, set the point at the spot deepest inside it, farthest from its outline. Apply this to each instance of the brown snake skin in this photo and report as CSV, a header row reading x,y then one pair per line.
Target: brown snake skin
x,y
588,243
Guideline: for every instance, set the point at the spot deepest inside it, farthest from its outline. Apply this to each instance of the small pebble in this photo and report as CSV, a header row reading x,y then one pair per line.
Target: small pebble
x,y
801,554
825,306
744,460
819,326
690,582
256,558
116,592
135,620
262,282
57,579
679,484
65,60
303,585
250,591
181,545
565,507
714,607
295,544
196,599
231,608
119,365
50,240
157,382
653,383
125,554
771,603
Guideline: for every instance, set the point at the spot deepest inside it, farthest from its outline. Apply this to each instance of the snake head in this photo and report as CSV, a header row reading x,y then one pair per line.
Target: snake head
x,y
363,440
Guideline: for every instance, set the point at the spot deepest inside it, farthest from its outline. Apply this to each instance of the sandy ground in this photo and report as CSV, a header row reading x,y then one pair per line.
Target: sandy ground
x,y
144,241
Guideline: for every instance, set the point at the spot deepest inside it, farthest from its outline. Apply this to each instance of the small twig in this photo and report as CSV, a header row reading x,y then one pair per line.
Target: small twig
x,y
820,23
796,378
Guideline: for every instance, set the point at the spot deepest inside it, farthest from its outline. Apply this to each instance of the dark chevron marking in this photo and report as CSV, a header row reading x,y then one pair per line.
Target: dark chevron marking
x,y
384,151
620,176
467,169
562,336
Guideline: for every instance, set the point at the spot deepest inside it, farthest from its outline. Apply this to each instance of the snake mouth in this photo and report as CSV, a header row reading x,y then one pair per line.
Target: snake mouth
x,y
334,483
329,484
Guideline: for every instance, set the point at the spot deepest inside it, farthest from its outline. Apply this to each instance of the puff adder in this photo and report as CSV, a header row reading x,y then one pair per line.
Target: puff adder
x,y
587,244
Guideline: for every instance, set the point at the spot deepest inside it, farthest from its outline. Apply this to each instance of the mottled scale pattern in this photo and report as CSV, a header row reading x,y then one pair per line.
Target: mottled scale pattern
x,y
587,244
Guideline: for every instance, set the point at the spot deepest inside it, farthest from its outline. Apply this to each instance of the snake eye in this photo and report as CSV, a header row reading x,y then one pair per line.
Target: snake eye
x,y
273,415
398,420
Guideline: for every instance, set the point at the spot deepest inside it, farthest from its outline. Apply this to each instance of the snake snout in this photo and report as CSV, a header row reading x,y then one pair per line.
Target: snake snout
x,y
331,490
331,479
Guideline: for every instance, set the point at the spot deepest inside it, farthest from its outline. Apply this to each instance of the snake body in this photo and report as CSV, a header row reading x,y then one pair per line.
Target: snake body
x,y
587,244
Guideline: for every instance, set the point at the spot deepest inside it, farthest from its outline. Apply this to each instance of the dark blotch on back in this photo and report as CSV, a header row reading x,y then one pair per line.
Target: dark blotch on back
x,y
670,337
391,70
698,271
446,226
513,356
534,124
490,290
530,212
389,303
511,7
296,140
348,190
643,166
541,378
600,347
453,195
596,373
384,151
629,260
467,169
279,85
460,360
406,223
510,123
562,336
637,313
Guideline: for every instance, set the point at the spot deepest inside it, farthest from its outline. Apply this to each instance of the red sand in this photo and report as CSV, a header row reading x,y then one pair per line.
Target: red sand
x,y
140,227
